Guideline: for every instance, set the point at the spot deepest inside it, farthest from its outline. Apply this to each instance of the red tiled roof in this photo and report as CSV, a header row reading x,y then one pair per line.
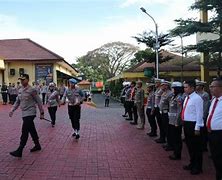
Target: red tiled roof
x,y
25,49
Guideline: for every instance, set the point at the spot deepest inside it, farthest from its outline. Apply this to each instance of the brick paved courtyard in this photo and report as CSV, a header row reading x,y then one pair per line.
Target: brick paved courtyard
x,y
109,148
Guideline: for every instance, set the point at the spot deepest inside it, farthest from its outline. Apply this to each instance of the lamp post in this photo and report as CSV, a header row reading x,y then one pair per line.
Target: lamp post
x,y
157,42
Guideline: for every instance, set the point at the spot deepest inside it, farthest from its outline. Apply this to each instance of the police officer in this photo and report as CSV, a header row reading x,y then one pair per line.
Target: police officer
x,y
139,102
14,93
123,97
62,89
52,100
175,122
75,98
164,109
156,112
150,109
4,91
27,99
133,108
206,104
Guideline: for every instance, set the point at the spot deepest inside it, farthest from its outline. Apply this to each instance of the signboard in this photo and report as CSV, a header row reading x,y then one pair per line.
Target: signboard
x,y
44,73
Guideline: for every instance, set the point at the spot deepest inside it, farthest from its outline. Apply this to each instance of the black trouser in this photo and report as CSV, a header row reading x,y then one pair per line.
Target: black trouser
x,y
159,120
28,126
13,98
164,129
215,142
4,97
10,98
43,98
132,111
60,96
175,135
205,135
106,102
151,120
194,145
52,113
74,115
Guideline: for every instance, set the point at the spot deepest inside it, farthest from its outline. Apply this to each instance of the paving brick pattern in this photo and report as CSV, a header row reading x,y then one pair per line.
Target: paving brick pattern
x,y
109,148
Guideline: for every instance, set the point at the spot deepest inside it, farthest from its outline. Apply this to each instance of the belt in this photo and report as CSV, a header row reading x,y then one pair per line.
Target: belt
x,y
215,131
71,104
164,111
172,114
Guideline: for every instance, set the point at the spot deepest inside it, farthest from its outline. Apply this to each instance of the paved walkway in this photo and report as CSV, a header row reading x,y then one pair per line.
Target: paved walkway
x,y
109,148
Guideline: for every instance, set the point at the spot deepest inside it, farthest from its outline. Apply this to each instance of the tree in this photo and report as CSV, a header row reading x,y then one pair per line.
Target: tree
x,y
148,38
213,47
106,61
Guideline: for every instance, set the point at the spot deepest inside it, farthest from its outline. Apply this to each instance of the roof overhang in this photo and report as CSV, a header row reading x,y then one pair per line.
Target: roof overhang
x,y
2,64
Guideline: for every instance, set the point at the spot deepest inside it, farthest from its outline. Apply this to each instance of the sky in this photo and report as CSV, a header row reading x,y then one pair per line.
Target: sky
x,y
71,28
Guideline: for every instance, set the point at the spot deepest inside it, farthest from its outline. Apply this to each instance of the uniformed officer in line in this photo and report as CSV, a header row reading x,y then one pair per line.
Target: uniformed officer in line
x,y
62,89
150,110
52,100
139,102
126,86
133,108
9,93
14,93
214,126
75,98
164,109
27,100
4,91
206,104
158,93
175,122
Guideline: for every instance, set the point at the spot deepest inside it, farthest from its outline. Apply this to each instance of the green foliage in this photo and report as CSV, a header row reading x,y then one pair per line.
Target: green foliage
x,y
106,61
116,87
214,25
149,55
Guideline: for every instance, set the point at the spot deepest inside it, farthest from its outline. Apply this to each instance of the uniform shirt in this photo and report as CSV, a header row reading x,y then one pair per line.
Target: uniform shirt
x,y
44,89
158,94
74,96
9,89
62,89
164,100
206,103
139,96
4,89
27,99
216,121
194,110
150,100
14,91
175,108
52,98
128,91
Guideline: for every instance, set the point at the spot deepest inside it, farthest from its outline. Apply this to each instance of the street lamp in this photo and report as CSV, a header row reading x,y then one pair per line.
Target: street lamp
x,y
157,46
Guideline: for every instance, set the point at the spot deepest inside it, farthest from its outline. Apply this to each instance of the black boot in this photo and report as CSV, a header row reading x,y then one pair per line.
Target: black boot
x,y
17,153
37,147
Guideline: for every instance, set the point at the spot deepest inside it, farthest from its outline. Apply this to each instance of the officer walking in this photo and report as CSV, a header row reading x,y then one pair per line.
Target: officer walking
x,y
75,98
27,99
52,100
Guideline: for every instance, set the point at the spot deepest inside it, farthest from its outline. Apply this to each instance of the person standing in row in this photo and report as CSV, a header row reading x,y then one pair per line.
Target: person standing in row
x,y
164,109
43,91
123,98
139,102
4,91
132,107
192,116
107,97
62,90
75,98
9,93
14,93
206,104
150,110
27,99
52,100
214,126
175,123
156,112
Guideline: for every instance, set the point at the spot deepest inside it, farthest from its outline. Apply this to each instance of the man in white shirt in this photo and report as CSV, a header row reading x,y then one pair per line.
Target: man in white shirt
x,y
192,117
214,126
